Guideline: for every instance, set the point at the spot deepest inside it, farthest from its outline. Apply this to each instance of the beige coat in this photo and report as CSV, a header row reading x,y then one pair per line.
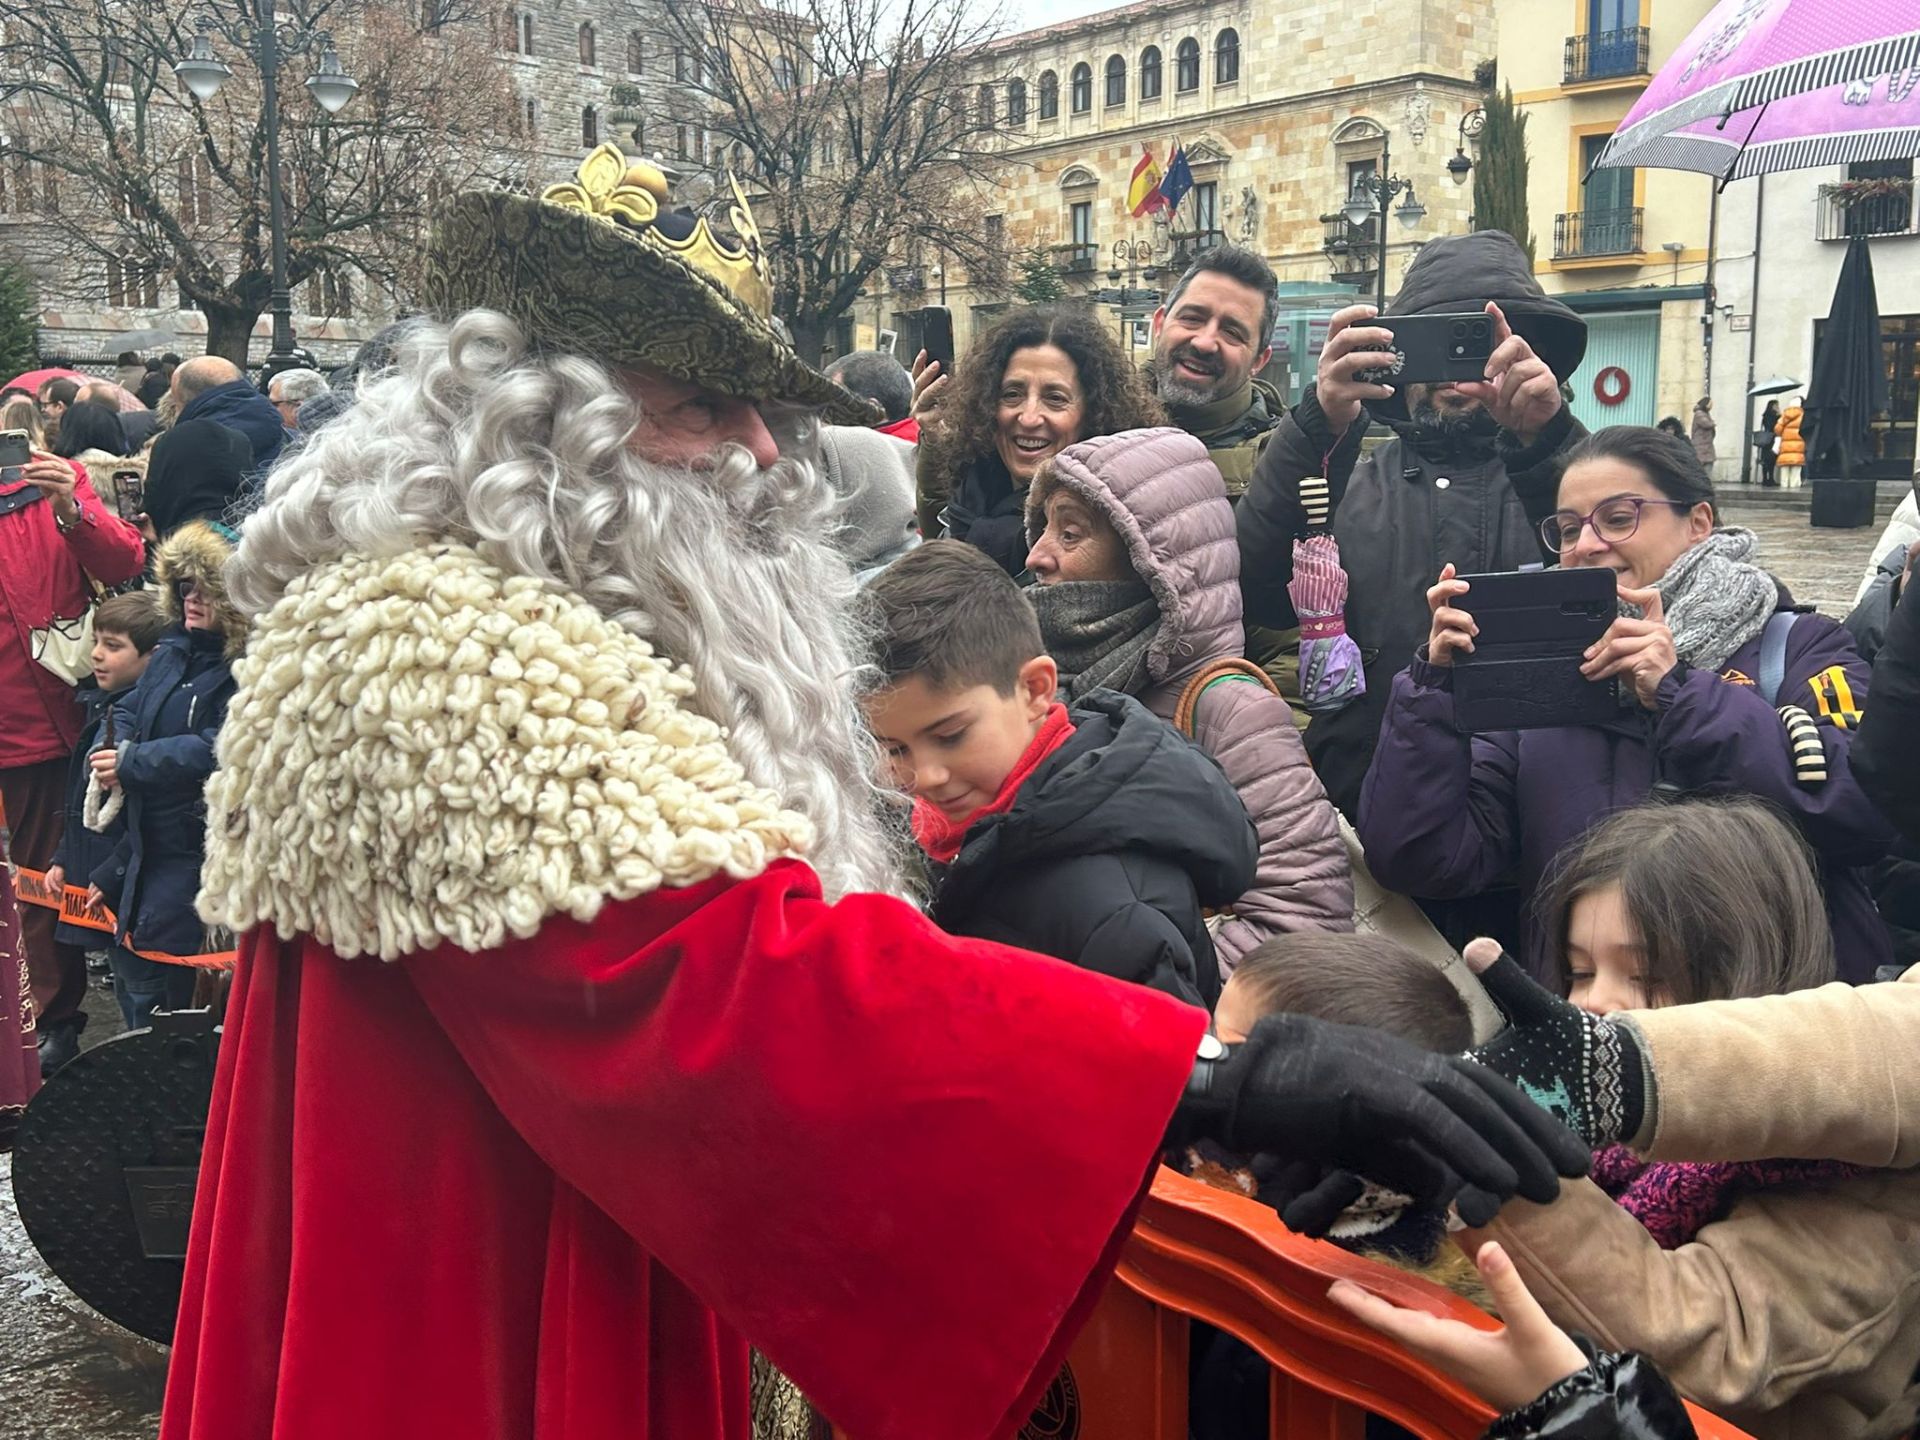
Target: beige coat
x,y
1799,1314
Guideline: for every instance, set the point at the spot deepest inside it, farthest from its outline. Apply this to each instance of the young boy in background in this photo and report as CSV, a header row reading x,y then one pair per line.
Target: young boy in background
x,y
125,630
1096,835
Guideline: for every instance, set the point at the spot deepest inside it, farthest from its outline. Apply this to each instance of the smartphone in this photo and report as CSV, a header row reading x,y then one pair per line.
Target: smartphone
x,y
1524,671
15,448
936,329
1434,349
130,489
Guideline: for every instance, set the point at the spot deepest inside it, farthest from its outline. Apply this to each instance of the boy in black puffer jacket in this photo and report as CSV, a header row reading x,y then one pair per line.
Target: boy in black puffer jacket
x,y
1095,835
166,727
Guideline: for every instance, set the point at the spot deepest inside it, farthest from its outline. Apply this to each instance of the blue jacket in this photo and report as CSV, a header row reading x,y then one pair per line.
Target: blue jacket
x,y
239,406
167,725
1445,815
90,857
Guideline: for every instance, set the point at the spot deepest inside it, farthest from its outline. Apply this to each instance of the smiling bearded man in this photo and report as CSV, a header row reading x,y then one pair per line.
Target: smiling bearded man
x,y
550,1080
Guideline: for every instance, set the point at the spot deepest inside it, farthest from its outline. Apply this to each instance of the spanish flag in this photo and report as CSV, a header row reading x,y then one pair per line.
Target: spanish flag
x,y
1143,192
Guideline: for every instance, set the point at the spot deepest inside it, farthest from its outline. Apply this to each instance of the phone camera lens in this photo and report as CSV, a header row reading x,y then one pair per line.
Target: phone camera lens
x,y
1479,329
1459,330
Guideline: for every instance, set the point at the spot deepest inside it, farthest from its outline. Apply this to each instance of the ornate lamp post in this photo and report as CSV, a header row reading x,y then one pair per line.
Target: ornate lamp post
x,y
1137,256
203,74
1471,124
1371,194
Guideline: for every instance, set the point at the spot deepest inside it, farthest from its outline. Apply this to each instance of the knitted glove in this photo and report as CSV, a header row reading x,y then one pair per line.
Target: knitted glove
x,y
1435,1128
1584,1070
1331,674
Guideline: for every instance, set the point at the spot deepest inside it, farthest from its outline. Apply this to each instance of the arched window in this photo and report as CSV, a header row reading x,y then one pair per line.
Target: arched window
x,y
589,45
636,52
1186,66
1150,73
985,106
1116,80
533,118
1049,95
526,34
589,127
1017,104
1226,57
1082,100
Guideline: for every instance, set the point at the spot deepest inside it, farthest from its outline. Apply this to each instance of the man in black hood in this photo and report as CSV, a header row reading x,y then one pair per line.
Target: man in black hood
x,y
1466,476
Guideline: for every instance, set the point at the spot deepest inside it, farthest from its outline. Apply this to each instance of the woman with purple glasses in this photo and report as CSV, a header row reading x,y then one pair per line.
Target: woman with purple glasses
x,y
1704,634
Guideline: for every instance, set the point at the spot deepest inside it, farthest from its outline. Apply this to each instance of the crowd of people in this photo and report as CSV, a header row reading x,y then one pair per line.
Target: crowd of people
x,y
1052,647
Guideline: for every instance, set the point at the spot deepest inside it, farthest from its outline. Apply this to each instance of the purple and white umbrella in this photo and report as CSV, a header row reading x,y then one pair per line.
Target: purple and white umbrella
x,y
1877,118
1747,58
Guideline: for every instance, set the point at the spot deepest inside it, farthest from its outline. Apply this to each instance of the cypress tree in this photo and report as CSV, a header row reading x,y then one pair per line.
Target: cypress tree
x,y
1500,174
19,319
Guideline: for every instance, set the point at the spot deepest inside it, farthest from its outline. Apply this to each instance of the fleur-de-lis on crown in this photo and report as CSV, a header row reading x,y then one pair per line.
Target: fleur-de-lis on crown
x,y
631,195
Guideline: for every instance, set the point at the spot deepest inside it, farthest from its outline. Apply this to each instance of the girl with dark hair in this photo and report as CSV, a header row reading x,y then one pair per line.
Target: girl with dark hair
x,y
1042,379
1800,1271
1727,688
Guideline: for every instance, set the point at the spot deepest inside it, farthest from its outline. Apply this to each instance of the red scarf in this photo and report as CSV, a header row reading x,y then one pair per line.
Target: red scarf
x,y
941,837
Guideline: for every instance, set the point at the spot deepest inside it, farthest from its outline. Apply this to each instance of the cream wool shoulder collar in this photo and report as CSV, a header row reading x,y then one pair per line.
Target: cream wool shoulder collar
x,y
423,748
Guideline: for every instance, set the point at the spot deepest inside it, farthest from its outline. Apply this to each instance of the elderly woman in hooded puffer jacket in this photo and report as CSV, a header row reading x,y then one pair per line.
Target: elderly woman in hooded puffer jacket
x,y
1133,545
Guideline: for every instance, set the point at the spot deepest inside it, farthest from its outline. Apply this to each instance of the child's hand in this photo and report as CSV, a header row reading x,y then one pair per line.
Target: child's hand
x,y
56,878
1507,1368
106,767
96,902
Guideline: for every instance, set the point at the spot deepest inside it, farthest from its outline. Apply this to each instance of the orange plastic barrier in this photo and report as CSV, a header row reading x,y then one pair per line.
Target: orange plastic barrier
x,y
30,887
1202,1254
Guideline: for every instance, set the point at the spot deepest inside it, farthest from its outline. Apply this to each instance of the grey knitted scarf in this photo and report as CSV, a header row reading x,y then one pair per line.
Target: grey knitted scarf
x,y
1716,599
1098,632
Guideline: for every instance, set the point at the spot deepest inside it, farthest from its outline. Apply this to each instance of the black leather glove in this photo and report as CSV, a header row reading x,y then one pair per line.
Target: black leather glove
x,y
1584,1070
1439,1129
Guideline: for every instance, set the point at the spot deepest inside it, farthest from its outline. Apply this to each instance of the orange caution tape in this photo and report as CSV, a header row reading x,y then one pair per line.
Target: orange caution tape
x,y
71,901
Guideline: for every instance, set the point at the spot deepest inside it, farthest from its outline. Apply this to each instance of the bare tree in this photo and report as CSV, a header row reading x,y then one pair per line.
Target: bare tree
x,y
143,180
866,131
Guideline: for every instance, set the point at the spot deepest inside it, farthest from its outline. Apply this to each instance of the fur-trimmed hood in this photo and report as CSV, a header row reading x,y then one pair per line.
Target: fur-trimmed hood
x,y
197,552
102,467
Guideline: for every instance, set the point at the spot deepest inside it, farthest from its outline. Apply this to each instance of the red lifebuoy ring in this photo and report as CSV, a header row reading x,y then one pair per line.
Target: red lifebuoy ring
x,y
1612,385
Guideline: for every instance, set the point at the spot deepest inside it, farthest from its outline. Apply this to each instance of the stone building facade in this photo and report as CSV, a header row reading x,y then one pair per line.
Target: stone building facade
x,y
580,71
1278,108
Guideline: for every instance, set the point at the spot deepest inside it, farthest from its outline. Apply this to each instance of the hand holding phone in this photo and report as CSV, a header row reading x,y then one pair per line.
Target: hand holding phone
x,y
1638,651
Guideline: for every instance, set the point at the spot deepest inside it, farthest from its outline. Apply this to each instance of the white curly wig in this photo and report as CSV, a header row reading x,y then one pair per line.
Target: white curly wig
x,y
477,436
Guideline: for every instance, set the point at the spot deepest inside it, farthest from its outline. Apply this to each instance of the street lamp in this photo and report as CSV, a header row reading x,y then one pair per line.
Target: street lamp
x,y
1137,256
203,74
1370,197
1471,124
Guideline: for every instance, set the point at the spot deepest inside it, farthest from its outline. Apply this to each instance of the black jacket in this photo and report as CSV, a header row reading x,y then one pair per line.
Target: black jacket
x,y
989,514
1883,760
1108,854
1409,507
87,857
1617,1397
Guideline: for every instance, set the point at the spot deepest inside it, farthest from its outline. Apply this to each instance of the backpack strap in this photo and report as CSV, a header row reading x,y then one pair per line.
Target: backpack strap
x,y
1773,653
1231,667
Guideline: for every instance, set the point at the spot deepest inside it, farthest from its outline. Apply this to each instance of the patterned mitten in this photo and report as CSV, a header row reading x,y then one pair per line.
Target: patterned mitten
x,y
1331,674
1582,1069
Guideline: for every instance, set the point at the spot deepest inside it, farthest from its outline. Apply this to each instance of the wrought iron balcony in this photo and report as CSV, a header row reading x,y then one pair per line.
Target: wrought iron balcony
x,y
1857,207
1606,55
1075,259
1587,234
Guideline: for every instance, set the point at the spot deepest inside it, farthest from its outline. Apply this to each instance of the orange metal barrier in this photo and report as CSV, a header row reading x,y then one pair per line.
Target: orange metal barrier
x,y
1202,1254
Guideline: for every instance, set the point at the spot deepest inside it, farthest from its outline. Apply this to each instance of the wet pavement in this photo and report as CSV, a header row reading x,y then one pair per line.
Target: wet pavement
x,y
65,1372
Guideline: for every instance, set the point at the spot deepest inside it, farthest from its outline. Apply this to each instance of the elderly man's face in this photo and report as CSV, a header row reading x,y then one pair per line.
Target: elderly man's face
x,y
684,424
289,409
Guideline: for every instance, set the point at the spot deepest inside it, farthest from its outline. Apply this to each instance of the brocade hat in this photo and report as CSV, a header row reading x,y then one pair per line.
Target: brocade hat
x,y
600,267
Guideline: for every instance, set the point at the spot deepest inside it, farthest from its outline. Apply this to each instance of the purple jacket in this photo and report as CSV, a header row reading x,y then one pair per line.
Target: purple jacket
x,y
1166,498
1445,815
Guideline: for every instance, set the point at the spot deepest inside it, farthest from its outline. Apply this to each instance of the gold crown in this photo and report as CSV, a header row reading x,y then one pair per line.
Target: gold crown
x,y
631,196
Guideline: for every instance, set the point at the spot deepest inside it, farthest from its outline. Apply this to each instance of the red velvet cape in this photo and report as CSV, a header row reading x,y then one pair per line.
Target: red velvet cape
x,y
555,1189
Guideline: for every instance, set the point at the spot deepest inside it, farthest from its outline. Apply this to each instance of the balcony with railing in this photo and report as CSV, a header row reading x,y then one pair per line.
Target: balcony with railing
x,y
1865,207
1076,258
1597,234
1352,250
1602,55
1188,245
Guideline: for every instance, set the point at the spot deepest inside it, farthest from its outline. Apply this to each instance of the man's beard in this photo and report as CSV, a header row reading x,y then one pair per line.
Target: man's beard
x,y
729,570
1176,389
1470,428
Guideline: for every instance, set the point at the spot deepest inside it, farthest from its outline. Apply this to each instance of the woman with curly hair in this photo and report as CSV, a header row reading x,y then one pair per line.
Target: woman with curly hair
x,y
1042,379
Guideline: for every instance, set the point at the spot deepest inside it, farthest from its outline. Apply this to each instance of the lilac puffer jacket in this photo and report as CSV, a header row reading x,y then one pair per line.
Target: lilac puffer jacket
x,y
1167,500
